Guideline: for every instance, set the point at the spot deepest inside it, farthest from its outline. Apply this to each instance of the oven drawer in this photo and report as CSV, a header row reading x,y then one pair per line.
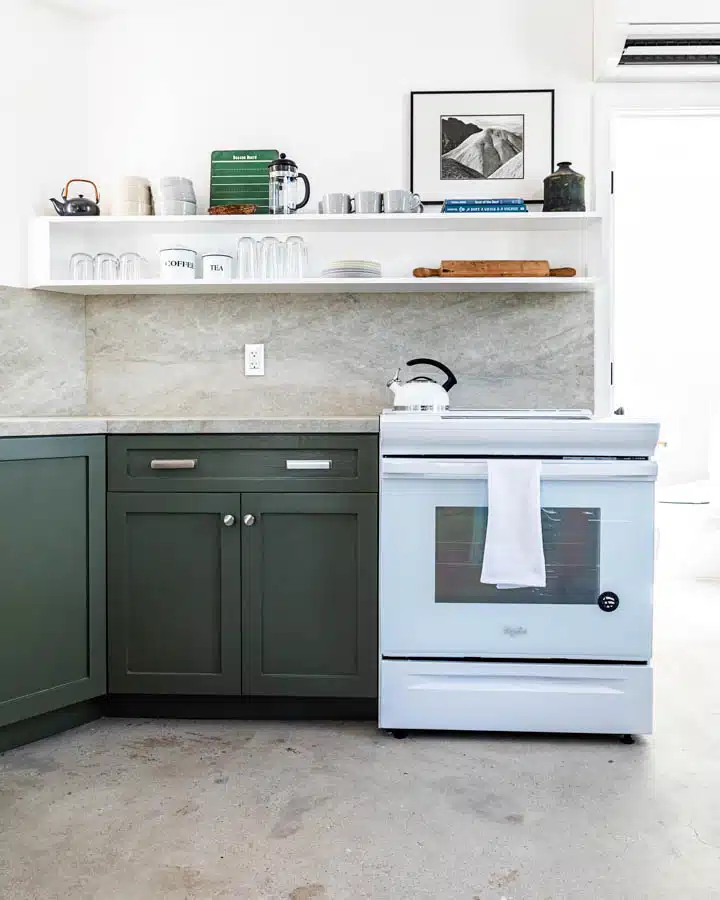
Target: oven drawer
x,y
326,463
544,697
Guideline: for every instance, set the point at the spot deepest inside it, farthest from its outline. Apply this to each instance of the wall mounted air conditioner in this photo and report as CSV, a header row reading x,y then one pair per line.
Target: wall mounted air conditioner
x,y
637,40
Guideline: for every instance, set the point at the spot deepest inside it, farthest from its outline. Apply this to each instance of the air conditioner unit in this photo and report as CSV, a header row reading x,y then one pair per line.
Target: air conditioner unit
x,y
634,43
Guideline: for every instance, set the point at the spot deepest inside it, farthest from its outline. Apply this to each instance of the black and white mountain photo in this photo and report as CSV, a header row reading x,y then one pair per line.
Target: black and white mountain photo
x,y
479,147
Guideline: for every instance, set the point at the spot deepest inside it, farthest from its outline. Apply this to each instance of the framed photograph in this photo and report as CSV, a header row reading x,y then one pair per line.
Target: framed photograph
x,y
481,144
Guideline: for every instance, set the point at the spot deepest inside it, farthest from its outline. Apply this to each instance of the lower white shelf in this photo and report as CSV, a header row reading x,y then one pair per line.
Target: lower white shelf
x,y
327,286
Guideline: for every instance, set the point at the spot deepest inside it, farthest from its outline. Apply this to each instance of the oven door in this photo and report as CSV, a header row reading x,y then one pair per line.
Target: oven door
x,y
598,534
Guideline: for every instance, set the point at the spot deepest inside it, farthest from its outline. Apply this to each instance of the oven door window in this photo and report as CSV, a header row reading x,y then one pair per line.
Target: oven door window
x,y
571,538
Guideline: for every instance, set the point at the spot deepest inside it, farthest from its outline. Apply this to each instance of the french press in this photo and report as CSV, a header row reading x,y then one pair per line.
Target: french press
x,y
284,177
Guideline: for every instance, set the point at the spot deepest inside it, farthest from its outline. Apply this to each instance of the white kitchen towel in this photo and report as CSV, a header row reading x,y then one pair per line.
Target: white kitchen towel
x,y
514,555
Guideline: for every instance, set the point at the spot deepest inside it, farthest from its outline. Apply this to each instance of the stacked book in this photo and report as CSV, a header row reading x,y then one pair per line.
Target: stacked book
x,y
484,206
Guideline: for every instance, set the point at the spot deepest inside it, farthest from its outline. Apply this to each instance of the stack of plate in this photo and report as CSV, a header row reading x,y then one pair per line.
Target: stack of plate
x,y
353,268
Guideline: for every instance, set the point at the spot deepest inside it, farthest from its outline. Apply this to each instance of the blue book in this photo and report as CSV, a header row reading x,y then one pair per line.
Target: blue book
x,y
477,206
485,209
500,201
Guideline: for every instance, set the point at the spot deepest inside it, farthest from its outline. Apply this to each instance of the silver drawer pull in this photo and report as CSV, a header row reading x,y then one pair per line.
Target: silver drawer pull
x,y
308,464
173,464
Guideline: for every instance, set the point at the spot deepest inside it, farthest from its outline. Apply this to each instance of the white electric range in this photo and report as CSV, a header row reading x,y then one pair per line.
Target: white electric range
x,y
574,656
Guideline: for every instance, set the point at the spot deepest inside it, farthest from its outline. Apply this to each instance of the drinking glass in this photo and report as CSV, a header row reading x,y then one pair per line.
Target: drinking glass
x,y
131,267
270,259
106,267
296,257
81,267
248,266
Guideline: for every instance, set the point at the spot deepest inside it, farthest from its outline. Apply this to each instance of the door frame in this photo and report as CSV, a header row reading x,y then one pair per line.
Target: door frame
x,y
611,102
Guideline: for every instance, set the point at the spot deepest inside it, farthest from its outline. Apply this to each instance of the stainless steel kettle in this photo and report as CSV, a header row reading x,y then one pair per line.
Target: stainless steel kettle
x,y
422,393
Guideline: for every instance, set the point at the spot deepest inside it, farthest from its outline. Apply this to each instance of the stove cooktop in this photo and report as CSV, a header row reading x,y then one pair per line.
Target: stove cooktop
x,y
558,433
458,413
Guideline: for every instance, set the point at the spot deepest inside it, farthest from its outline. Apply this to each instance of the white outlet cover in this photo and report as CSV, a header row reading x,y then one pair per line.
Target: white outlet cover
x,y
254,359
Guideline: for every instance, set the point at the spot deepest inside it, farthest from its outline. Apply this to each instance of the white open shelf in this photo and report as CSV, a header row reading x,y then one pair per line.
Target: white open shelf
x,y
399,243
326,286
264,224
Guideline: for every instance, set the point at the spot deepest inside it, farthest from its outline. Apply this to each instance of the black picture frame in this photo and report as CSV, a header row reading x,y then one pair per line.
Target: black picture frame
x,y
414,94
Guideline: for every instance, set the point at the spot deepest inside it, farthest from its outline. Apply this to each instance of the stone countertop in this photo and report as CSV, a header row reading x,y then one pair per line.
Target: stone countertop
x,y
33,426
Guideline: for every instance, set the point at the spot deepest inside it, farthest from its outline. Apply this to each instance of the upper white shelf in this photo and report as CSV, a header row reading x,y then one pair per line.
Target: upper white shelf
x,y
400,222
329,285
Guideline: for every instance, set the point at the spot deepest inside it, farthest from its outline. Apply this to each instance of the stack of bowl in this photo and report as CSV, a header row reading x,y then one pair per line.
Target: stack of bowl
x,y
130,196
174,196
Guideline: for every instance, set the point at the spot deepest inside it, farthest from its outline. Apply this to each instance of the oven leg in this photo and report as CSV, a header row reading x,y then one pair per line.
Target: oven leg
x,y
627,739
398,734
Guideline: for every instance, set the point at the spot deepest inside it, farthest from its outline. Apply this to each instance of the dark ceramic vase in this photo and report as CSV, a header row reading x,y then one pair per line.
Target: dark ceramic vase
x,y
564,190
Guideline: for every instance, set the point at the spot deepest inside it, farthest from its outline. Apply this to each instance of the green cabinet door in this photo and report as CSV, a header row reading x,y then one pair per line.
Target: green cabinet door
x,y
310,595
174,612
52,574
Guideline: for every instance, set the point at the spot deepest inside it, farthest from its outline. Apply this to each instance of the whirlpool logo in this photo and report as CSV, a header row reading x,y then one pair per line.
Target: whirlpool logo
x,y
514,630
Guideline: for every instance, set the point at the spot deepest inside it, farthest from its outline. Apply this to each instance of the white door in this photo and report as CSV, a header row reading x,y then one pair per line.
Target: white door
x,y
598,539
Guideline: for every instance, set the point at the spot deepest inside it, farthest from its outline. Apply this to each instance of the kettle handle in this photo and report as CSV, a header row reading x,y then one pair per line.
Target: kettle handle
x,y
304,179
451,379
81,181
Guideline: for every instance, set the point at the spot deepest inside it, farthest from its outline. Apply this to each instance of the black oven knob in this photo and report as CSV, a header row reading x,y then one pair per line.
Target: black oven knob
x,y
608,602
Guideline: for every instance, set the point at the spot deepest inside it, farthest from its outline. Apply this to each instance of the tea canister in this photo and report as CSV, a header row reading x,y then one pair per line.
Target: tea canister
x,y
217,267
177,264
564,190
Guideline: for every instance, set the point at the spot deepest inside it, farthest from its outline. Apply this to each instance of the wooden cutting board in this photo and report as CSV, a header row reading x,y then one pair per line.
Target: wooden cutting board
x,y
494,268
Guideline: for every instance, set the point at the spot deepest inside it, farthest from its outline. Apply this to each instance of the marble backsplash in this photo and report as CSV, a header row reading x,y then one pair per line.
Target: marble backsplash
x,y
324,355
42,353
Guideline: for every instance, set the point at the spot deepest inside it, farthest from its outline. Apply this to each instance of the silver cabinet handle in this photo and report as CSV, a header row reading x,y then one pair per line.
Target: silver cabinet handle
x,y
249,519
173,464
308,464
228,520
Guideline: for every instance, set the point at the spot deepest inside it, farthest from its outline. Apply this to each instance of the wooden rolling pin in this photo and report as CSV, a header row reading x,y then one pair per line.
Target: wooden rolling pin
x,y
494,268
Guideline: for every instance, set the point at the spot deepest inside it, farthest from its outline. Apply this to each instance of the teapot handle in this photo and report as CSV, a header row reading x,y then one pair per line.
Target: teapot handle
x,y
81,181
451,379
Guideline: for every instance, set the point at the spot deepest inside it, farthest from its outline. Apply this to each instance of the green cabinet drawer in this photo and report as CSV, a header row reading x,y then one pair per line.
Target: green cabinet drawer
x,y
187,463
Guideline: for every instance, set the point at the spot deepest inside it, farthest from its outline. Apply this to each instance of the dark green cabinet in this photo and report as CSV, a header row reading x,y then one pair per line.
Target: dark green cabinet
x,y
52,574
310,595
173,593
255,594
281,601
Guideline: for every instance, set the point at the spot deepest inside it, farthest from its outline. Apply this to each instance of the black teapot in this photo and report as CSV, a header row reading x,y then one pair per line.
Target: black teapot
x,y
77,206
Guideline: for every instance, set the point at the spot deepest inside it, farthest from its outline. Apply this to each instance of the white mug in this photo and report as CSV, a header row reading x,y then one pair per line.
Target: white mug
x,y
401,202
217,267
368,202
177,264
336,204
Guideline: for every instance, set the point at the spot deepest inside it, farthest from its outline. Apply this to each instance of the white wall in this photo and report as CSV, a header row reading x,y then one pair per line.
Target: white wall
x,y
43,119
326,82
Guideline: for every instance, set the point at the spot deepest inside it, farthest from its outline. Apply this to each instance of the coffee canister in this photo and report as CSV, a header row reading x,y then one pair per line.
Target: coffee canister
x,y
217,267
564,190
177,264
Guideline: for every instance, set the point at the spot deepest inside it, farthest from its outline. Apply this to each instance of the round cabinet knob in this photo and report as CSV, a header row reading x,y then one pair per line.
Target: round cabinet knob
x,y
229,520
249,520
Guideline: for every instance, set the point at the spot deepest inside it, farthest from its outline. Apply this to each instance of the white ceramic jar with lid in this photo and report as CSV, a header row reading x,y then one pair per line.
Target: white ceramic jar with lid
x,y
177,264
217,267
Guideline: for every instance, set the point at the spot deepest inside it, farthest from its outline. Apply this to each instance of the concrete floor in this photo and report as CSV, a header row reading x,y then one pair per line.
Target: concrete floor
x,y
141,810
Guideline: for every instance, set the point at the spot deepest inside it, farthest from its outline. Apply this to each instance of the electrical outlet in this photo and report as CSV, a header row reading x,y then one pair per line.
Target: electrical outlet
x,y
254,359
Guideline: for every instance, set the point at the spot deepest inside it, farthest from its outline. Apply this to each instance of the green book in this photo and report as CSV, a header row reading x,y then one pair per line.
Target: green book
x,y
240,176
